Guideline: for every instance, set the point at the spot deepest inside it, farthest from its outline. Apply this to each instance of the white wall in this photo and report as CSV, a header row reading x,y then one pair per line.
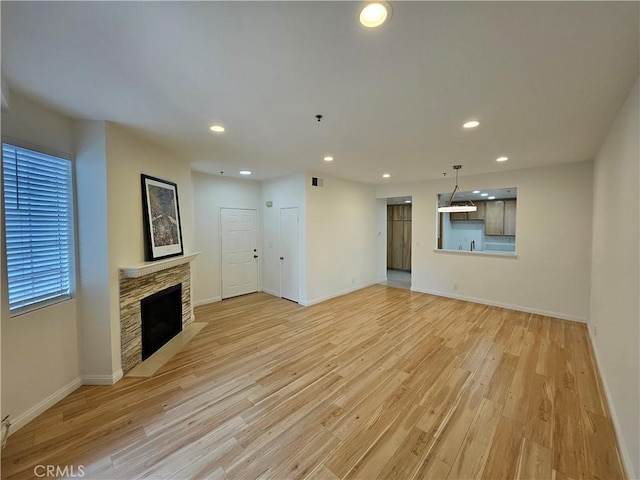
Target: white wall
x,y
39,349
342,238
94,304
551,271
615,279
285,192
210,194
128,156
381,242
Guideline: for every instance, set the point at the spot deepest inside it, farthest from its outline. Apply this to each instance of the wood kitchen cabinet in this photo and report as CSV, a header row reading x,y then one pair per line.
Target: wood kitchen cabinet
x,y
477,215
494,217
510,217
399,237
500,217
455,216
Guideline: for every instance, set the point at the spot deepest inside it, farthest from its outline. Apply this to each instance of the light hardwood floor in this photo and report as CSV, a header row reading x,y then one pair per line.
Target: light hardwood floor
x,y
380,383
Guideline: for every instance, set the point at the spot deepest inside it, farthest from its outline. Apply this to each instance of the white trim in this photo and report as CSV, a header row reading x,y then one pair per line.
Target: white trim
x,y
146,268
337,294
207,301
520,308
624,451
102,379
41,407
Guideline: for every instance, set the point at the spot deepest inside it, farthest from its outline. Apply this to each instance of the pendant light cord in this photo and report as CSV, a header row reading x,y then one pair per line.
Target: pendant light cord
x,y
456,189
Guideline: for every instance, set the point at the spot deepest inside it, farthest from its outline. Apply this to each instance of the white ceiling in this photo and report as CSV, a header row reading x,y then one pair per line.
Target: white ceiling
x,y
545,78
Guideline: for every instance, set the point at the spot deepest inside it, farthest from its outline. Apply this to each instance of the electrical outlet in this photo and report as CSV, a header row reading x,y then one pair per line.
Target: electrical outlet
x,y
455,287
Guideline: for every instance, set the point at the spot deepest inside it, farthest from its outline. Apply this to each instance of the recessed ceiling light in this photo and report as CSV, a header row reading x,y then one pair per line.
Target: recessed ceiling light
x,y
502,159
491,198
407,201
476,192
245,172
374,14
471,124
484,194
328,159
217,128
385,175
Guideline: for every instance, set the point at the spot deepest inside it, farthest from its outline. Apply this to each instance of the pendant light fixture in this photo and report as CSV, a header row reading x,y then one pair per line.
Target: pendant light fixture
x,y
467,207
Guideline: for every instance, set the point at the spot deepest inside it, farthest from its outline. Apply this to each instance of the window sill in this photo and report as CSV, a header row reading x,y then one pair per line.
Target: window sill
x,y
483,253
39,306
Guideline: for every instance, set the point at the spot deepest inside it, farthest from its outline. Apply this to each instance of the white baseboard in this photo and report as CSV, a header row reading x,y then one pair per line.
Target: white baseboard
x,y
50,401
308,303
206,301
624,451
520,308
102,379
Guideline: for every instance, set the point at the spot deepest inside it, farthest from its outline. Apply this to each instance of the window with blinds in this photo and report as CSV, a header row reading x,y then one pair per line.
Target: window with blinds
x,y
38,203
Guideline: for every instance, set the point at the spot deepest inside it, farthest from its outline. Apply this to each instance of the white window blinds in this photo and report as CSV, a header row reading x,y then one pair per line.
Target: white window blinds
x,y
38,206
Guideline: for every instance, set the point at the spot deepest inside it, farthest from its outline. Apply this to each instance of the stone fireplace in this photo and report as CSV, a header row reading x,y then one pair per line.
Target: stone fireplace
x,y
137,285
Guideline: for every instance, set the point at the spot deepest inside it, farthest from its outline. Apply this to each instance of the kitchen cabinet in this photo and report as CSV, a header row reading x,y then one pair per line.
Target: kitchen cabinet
x,y
477,215
510,217
455,216
399,237
494,218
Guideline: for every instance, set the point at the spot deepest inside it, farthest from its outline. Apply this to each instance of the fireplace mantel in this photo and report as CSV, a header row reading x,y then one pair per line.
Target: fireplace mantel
x,y
146,268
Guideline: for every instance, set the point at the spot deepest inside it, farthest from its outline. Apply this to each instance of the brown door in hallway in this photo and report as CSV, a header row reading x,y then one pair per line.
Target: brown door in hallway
x,y
399,237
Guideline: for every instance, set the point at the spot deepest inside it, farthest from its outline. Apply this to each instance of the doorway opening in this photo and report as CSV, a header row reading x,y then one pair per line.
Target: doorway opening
x,y
399,214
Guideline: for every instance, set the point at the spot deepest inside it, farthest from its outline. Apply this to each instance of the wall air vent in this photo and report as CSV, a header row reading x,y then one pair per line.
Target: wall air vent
x,y
317,182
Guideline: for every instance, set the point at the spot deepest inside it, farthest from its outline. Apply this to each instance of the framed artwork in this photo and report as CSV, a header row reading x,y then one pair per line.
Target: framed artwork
x,y
161,212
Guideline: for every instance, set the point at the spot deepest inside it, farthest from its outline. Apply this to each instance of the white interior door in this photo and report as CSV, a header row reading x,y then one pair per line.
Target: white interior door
x,y
289,254
238,229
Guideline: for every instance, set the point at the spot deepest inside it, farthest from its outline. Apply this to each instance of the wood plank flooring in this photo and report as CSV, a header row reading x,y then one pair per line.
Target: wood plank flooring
x,y
380,383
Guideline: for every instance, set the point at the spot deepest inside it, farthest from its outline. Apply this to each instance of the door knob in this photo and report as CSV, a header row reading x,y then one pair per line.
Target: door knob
x,y
281,258
255,256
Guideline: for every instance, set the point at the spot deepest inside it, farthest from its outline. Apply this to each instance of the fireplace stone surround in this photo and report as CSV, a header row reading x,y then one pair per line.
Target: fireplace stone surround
x,y
139,282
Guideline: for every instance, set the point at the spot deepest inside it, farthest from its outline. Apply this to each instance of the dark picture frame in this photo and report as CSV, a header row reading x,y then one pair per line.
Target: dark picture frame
x,y
161,213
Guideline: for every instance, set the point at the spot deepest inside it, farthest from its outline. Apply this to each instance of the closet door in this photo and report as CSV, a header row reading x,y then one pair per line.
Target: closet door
x,y
397,249
399,237
389,235
406,239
